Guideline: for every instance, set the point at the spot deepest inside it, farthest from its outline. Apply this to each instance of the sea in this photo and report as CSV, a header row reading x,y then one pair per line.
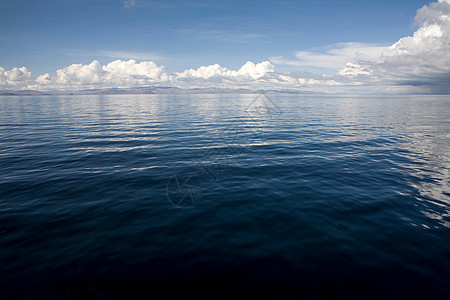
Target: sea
x,y
278,196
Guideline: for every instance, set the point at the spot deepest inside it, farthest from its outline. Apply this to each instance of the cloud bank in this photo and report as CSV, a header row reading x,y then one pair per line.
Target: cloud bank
x,y
417,63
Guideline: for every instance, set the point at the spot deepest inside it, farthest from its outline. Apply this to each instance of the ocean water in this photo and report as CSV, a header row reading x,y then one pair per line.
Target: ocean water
x,y
281,196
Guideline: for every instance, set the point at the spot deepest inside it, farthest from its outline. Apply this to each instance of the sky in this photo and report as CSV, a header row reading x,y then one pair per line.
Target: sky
x,y
347,46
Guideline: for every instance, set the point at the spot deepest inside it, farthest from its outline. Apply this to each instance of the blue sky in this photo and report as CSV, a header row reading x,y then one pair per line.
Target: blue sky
x,y
48,35
51,34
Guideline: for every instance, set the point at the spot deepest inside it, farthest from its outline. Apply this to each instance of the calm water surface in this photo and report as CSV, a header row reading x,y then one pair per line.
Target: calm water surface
x,y
286,196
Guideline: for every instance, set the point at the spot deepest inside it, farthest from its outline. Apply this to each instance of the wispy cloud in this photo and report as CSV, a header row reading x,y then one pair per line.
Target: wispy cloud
x,y
132,55
224,35
117,54
129,3
334,56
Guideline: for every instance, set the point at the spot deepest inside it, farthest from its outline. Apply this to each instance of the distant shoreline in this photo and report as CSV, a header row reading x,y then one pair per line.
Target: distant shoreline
x,y
155,90
174,90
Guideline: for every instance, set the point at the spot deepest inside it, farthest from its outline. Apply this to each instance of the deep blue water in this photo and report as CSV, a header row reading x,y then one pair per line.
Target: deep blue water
x,y
286,196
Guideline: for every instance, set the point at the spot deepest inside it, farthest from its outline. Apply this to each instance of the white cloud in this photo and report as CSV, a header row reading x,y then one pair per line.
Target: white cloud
x,y
44,80
250,69
129,73
78,74
204,72
252,76
427,52
422,59
16,77
117,73
354,69
256,71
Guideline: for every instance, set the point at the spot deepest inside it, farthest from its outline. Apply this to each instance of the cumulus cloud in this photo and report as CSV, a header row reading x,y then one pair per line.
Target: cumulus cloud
x,y
354,69
130,72
249,75
253,76
428,50
422,59
16,77
204,72
117,73
250,69
78,74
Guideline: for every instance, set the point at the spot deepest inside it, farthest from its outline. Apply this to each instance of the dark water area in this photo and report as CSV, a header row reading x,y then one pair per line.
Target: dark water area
x,y
283,196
